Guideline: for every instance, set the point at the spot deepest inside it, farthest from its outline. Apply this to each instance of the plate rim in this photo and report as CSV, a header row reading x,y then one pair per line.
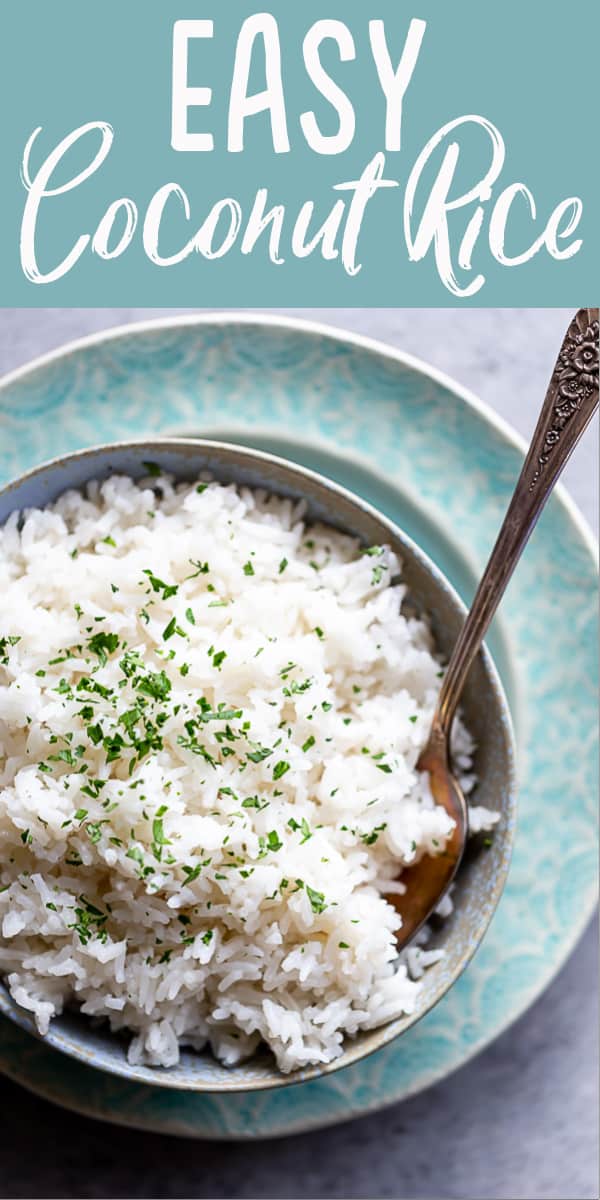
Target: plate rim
x,y
484,413
334,333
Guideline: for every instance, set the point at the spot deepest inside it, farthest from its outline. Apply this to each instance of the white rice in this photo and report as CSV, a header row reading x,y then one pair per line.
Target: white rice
x,y
225,886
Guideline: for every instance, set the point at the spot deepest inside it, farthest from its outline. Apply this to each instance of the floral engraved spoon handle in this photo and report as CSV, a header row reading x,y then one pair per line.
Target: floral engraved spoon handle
x,y
570,403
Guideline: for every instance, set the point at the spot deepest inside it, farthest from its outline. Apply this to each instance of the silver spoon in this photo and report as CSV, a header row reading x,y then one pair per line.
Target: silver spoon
x,y
570,403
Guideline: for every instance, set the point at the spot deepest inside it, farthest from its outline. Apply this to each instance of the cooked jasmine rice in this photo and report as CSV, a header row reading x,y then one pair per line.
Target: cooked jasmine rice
x,y
210,715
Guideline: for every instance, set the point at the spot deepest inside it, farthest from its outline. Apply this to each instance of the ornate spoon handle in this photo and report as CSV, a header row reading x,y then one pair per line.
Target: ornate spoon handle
x,y
570,403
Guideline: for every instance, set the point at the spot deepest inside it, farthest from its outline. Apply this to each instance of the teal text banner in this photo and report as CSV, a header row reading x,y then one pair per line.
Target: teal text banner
x,y
203,153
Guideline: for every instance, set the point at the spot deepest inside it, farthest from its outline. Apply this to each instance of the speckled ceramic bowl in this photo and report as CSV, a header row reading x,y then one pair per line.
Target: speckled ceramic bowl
x,y
484,869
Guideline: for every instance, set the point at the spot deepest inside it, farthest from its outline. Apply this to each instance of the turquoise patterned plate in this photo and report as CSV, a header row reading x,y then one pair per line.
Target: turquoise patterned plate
x,y
441,466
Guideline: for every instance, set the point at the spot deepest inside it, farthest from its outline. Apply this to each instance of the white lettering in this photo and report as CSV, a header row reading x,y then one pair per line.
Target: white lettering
x,y
241,105
364,188
258,221
184,97
394,84
101,238
38,189
334,143
433,226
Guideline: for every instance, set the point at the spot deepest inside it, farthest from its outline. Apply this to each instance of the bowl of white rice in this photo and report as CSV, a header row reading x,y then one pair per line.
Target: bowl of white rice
x,y
217,671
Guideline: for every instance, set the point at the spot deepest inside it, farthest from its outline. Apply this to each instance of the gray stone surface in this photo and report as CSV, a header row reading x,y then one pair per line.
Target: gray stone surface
x,y
521,1119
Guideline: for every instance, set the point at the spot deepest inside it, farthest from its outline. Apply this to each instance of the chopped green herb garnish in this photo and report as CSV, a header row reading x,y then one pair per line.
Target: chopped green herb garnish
x,y
158,585
155,684
5,643
369,839
94,830
172,628
103,644
317,900
254,802
201,569
192,873
296,688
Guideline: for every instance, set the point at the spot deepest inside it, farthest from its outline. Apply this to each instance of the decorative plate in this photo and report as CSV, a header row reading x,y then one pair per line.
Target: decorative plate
x,y
439,464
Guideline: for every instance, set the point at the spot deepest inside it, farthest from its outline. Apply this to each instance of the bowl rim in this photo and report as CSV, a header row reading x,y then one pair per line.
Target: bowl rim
x,y
354,1050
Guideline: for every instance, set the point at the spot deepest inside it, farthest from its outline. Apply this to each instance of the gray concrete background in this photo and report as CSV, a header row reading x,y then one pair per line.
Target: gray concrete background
x,y
521,1120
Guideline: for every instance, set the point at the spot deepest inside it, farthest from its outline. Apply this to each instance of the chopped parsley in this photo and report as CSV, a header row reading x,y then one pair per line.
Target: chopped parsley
x,y
155,684
159,586
317,900
295,688
103,644
303,828
5,644
254,802
94,830
369,839
172,628
202,568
